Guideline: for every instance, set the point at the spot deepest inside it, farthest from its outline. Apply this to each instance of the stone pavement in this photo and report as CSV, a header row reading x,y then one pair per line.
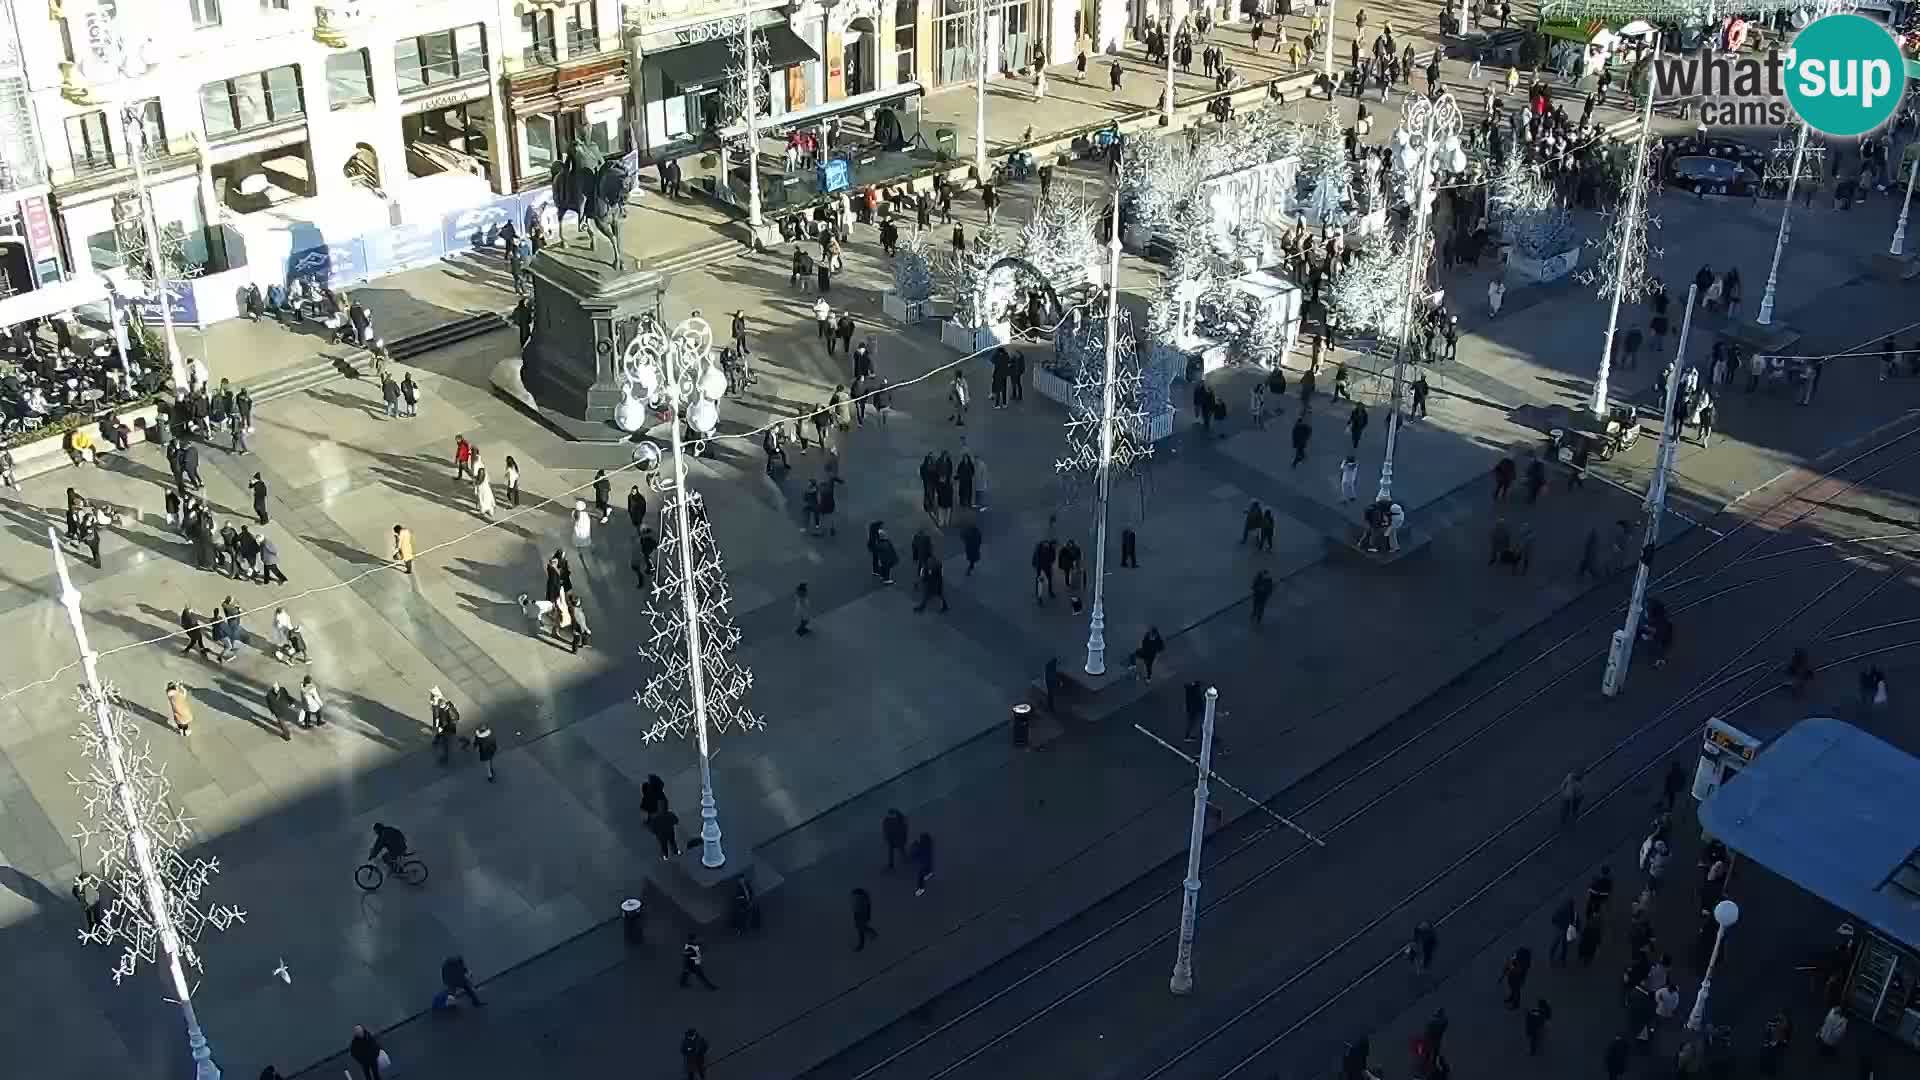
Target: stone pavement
x,y
515,878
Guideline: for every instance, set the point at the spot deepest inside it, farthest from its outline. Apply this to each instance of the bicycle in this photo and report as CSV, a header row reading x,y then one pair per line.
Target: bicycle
x,y
370,875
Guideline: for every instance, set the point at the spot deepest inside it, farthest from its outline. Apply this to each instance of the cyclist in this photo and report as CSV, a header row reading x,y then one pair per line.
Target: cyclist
x,y
389,844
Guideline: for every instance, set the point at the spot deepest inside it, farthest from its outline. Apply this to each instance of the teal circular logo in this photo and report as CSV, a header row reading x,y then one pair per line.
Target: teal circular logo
x,y
1845,75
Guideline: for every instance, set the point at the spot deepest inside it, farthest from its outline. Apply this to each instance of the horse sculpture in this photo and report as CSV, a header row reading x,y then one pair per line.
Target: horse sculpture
x,y
595,188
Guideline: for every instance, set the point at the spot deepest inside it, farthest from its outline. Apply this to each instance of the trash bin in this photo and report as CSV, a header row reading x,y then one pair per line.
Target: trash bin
x,y
1022,723
633,921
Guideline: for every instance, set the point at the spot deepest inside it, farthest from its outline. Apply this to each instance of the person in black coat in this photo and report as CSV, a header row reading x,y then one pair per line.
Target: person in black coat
x,y
365,1051
893,829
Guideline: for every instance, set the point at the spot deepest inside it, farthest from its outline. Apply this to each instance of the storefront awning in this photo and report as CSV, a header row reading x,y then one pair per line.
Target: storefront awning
x,y
1836,811
692,67
52,299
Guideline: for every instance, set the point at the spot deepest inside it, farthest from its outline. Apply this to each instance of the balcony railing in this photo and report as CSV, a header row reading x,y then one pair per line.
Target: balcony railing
x,y
539,54
582,41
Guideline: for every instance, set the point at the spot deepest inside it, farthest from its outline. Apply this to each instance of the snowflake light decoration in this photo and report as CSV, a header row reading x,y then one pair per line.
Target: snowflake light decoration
x,y
668,694
1084,348
1624,254
139,838
1780,166
741,96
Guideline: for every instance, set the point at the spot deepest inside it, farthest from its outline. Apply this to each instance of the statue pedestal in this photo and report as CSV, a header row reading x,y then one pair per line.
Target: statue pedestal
x,y
584,313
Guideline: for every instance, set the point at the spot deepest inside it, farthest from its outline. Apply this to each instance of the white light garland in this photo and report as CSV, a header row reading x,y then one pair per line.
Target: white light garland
x,y
1624,254
118,834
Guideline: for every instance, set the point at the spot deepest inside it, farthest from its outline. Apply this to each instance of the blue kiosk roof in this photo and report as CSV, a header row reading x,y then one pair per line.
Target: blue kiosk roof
x,y
1837,812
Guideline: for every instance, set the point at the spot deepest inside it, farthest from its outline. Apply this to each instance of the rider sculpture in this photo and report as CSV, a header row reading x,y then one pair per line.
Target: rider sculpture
x,y
594,187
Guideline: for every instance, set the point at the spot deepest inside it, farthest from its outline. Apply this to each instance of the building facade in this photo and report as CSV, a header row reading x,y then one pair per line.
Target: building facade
x,y
566,77
255,104
29,252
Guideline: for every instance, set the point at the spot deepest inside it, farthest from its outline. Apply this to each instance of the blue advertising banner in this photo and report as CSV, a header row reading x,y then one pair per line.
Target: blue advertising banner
x,y
335,264
401,247
464,229
186,306
834,175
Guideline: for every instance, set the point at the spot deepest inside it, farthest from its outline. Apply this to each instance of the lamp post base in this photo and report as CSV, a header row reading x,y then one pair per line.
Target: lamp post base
x,y
711,855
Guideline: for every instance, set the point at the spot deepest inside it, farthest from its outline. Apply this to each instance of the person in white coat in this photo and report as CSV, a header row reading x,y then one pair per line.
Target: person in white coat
x,y
310,704
582,525
1349,479
1496,295
482,487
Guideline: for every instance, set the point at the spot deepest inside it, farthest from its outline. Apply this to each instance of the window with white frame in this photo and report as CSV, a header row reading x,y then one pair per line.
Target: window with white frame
x,y
905,37
205,13
349,78
583,29
87,144
537,28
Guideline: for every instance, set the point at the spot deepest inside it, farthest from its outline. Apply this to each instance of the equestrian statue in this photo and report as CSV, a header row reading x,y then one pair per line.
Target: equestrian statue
x,y
595,187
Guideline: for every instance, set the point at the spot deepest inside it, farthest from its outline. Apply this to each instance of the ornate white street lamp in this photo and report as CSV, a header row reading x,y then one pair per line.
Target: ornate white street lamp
x,y
1427,142
1624,251
1765,318
153,902
1897,249
750,54
697,686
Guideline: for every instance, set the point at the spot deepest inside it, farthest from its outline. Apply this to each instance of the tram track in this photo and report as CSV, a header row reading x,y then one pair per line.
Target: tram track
x,y
1725,674
935,1053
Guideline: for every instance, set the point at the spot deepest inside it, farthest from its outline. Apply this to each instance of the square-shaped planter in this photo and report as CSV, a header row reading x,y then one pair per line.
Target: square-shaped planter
x,y
1051,386
1531,271
968,340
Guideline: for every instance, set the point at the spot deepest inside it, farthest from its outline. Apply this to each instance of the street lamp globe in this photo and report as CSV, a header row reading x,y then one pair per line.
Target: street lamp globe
x,y
1726,913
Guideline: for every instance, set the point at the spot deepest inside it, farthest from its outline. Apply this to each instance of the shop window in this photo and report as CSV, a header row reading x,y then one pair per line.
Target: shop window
x,y
905,36
87,143
206,13
349,78
275,5
252,101
541,149
583,29
431,59
537,26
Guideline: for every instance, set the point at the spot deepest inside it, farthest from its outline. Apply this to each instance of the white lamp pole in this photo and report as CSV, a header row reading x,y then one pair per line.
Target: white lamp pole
x,y
1097,621
1182,981
1726,913
1620,651
1436,123
1622,269
980,98
1899,245
752,88
1173,21
1327,68
158,901
1765,317
689,647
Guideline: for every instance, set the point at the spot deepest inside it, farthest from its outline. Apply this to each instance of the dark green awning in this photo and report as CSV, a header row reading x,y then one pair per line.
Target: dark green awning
x,y
692,67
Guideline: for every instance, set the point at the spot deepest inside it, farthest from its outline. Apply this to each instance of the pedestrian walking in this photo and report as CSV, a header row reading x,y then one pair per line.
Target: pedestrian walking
x,y
1599,892
693,964
1357,423
582,526
922,855
1572,790
693,1054
86,892
1616,1057
365,1051
1044,554
1262,592
893,830
258,487
482,488
443,719
862,919
462,456
1514,974
1677,780
456,979
403,547
662,826
409,399
1302,433
802,611
602,495
180,708
1420,948
1536,1026
485,746
959,397
1563,923
1536,476
310,703
1349,479
1496,295
512,477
